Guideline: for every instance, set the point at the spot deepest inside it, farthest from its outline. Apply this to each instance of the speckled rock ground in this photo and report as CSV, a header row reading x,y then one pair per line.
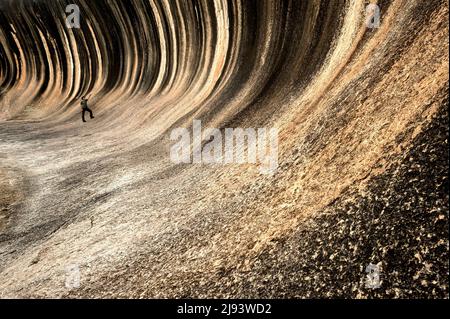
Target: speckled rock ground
x,y
400,221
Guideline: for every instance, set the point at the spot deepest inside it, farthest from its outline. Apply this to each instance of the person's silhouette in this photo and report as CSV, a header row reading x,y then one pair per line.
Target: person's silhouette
x,y
85,108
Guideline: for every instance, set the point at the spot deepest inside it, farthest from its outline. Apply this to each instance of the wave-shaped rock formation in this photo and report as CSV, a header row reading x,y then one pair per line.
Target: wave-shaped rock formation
x,y
363,149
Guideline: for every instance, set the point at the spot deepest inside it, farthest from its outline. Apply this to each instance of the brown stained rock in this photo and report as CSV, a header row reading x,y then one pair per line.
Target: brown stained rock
x,y
362,149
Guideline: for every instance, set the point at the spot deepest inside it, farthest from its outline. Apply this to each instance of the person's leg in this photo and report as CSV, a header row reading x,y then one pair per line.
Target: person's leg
x,y
90,112
82,115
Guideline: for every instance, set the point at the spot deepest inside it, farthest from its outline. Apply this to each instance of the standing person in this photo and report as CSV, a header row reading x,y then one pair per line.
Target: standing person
x,y
85,108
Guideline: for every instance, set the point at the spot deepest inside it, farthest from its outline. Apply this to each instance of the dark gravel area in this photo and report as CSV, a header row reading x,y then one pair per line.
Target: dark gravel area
x,y
399,224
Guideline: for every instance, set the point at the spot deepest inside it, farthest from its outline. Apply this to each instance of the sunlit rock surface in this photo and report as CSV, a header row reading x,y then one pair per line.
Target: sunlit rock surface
x,y
363,149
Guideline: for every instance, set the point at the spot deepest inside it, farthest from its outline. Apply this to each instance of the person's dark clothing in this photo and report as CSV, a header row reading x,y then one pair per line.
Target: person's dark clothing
x,y
90,113
85,108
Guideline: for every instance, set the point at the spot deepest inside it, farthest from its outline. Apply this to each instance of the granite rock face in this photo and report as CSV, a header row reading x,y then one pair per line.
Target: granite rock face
x,y
357,207
399,223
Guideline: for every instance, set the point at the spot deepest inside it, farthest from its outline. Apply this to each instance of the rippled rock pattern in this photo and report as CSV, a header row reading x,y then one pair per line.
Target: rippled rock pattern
x,y
363,149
